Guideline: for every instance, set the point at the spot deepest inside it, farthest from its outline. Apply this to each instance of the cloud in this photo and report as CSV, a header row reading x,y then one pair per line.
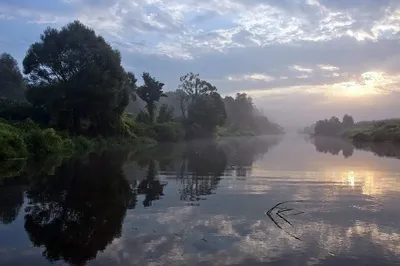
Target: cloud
x,y
328,67
239,45
301,69
252,77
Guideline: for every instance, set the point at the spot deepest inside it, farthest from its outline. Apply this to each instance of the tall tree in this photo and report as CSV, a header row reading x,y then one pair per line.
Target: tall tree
x,y
131,86
348,121
193,86
75,74
12,85
151,92
183,99
207,111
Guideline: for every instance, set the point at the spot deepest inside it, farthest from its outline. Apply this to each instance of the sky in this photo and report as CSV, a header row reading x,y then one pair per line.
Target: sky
x,y
300,60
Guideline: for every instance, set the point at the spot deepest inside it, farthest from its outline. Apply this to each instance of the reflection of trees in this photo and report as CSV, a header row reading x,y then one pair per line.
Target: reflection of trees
x,y
333,146
11,200
151,187
243,152
205,162
380,149
78,211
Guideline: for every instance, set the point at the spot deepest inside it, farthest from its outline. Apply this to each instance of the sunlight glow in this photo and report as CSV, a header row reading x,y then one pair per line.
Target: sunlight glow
x,y
369,83
351,178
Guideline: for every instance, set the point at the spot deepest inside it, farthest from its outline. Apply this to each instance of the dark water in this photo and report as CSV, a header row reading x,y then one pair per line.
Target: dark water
x,y
207,203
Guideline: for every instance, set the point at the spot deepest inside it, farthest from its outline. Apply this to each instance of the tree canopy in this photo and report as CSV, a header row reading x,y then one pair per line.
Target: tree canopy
x,y
151,92
333,126
12,85
76,75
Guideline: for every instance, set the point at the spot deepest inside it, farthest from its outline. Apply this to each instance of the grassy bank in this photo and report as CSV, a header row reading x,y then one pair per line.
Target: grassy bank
x,y
374,131
28,140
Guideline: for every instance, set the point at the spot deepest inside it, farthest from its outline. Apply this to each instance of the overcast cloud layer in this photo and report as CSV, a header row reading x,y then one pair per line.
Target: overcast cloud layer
x,y
300,59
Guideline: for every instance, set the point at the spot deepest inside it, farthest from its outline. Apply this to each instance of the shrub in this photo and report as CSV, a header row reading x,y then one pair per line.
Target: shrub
x,y
168,132
20,111
11,168
11,143
82,144
41,143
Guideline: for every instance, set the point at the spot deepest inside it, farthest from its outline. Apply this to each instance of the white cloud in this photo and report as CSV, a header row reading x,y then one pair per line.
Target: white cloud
x,y
328,67
265,44
252,77
301,69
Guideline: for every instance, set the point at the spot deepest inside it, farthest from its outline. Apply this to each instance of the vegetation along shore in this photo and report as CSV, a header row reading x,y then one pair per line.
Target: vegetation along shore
x,y
74,96
364,131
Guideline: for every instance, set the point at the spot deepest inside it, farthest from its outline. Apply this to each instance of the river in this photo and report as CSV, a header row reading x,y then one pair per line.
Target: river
x,y
237,201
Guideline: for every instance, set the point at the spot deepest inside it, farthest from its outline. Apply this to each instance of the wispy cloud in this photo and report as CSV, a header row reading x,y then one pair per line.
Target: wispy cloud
x,y
301,69
328,67
267,44
250,77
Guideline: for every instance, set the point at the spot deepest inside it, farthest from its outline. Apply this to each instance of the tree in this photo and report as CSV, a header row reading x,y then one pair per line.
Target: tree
x,y
183,99
166,114
151,92
75,74
331,127
130,85
193,86
12,85
207,111
348,121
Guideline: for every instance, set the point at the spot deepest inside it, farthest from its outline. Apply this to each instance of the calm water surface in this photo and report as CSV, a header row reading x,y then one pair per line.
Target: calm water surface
x,y
240,201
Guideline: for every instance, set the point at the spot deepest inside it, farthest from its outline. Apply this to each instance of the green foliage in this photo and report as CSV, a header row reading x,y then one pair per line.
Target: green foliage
x,y
20,111
378,132
27,139
166,114
331,127
150,92
347,121
143,117
130,85
75,74
12,144
243,119
168,132
12,85
41,143
11,168
207,111
193,86
80,144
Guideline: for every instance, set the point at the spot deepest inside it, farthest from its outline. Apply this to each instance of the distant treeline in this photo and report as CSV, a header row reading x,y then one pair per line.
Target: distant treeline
x,y
363,131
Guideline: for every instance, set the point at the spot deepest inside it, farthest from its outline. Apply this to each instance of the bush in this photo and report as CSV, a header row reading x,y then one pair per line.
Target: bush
x,y
11,168
44,142
82,144
20,111
11,143
168,132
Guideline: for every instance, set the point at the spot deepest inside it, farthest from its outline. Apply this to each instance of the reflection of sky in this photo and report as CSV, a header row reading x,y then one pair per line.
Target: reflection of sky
x,y
350,210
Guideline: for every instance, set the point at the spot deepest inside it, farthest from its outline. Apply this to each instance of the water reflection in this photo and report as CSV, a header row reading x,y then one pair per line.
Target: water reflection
x,y
77,212
205,203
151,187
11,200
333,146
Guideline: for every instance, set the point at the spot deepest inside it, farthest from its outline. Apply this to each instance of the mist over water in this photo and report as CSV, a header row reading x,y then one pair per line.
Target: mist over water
x,y
237,201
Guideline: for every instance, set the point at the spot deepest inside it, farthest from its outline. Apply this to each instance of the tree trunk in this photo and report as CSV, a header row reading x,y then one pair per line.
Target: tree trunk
x,y
150,110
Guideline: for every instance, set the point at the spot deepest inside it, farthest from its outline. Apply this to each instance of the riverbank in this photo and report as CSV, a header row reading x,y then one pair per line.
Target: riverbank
x,y
28,140
374,131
